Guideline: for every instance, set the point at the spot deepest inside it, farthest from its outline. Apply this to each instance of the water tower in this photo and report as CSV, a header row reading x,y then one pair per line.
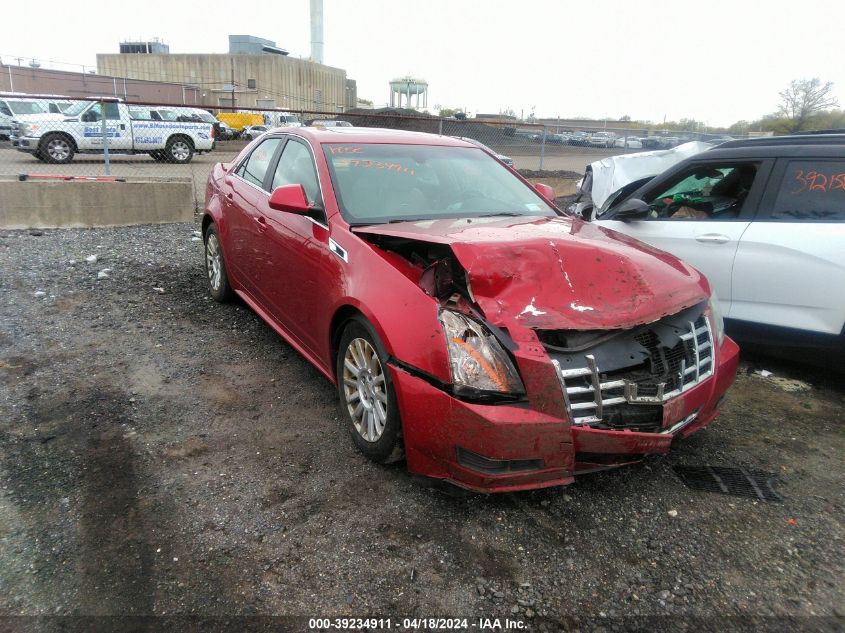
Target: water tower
x,y
408,87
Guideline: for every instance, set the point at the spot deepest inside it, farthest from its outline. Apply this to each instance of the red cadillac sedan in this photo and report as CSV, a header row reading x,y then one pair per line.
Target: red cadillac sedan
x,y
468,324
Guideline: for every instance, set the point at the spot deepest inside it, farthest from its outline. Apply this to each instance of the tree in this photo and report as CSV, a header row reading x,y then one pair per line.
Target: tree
x,y
625,118
446,112
803,99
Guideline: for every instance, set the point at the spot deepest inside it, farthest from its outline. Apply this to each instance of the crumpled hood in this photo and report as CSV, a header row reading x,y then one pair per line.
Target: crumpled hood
x,y
558,273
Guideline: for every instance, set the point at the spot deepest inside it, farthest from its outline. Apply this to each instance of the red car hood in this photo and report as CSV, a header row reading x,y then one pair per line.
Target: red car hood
x,y
558,273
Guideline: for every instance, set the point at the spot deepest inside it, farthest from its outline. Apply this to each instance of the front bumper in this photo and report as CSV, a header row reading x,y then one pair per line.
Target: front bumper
x,y
26,144
509,447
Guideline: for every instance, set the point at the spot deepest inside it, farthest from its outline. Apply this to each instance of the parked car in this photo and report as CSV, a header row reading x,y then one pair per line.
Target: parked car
x,y
467,322
507,160
628,142
764,220
251,132
601,139
579,139
56,138
224,132
15,104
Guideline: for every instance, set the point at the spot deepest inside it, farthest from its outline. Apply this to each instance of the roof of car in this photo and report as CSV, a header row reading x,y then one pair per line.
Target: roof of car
x,y
793,139
797,145
375,135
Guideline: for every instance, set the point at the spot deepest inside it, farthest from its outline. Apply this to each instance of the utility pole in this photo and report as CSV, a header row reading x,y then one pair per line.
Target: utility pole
x,y
232,59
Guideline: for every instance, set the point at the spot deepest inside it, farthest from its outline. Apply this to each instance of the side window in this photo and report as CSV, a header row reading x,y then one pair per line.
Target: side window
x,y
254,168
811,191
296,167
4,109
95,113
704,192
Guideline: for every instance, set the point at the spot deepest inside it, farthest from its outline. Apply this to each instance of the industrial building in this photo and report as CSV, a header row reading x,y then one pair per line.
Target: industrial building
x,y
255,73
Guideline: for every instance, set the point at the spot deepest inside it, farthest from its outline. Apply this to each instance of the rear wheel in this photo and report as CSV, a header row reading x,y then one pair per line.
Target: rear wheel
x,y
367,398
179,150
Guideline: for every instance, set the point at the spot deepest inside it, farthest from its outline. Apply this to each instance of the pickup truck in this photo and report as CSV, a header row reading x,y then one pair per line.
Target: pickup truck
x,y
56,138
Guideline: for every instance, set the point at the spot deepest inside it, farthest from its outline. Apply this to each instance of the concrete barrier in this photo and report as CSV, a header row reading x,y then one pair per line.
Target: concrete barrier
x,y
79,203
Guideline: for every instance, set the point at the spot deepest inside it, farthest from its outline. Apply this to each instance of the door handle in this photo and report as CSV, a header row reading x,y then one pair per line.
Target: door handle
x,y
713,238
262,222
230,196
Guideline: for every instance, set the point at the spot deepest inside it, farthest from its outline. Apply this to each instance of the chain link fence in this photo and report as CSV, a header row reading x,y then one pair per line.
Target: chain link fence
x,y
53,137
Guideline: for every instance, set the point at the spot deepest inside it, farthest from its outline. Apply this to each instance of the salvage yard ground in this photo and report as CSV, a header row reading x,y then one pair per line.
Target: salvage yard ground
x,y
161,453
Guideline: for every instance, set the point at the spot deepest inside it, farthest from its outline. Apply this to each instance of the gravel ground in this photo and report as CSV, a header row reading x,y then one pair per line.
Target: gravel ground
x,y
163,454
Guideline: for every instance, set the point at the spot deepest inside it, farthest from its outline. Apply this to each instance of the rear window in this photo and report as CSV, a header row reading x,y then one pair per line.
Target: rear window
x,y
811,191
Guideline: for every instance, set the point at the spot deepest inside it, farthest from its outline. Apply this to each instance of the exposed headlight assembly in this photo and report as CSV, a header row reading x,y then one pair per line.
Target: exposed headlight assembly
x,y
477,359
716,320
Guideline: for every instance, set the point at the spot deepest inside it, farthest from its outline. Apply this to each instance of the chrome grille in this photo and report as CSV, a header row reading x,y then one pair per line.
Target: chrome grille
x,y
592,397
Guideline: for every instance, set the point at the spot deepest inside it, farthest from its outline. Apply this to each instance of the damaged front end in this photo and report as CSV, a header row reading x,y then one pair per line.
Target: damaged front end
x,y
620,379
567,353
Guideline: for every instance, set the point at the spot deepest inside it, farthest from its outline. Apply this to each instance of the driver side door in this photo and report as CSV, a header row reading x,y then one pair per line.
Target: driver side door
x,y
709,242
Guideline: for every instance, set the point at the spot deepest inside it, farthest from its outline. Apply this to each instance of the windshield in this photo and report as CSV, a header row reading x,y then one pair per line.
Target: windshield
x,y
26,107
207,117
379,183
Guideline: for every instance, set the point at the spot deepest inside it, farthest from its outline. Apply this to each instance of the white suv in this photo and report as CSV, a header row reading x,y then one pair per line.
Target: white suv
x,y
764,220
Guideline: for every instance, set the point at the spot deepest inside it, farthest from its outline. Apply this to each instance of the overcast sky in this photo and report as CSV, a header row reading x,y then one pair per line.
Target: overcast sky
x,y
714,61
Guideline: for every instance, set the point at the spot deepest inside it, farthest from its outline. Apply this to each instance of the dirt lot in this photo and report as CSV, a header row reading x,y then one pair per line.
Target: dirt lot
x,y
163,454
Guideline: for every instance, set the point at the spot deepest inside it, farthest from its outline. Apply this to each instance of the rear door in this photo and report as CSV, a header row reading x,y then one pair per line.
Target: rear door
x,y
700,214
790,265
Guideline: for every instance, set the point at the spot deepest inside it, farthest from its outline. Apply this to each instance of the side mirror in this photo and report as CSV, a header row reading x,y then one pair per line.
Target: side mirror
x,y
544,190
290,198
631,209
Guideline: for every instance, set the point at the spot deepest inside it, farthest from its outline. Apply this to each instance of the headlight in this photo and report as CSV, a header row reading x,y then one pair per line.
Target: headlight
x,y
718,322
477,358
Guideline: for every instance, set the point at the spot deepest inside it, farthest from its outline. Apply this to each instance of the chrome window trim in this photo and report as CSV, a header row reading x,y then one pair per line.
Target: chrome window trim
x,y
267,193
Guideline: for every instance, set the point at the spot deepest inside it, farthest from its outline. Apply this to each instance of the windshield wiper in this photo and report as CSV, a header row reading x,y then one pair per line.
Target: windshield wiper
x,y
507,214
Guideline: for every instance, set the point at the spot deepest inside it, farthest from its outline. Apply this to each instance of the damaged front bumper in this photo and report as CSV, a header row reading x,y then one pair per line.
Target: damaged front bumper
x,y
604,418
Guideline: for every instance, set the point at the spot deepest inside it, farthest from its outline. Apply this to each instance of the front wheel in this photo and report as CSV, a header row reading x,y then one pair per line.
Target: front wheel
x,y
215,267
57,148
367,398
179,150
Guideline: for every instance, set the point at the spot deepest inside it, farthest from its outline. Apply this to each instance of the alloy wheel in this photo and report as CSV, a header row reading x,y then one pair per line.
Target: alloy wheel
x,y
364,389
58,149
213,261
180,150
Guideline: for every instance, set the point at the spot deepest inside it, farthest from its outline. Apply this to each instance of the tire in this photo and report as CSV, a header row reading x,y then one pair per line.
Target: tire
x,y
57,148
215,267
367,399
179,150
